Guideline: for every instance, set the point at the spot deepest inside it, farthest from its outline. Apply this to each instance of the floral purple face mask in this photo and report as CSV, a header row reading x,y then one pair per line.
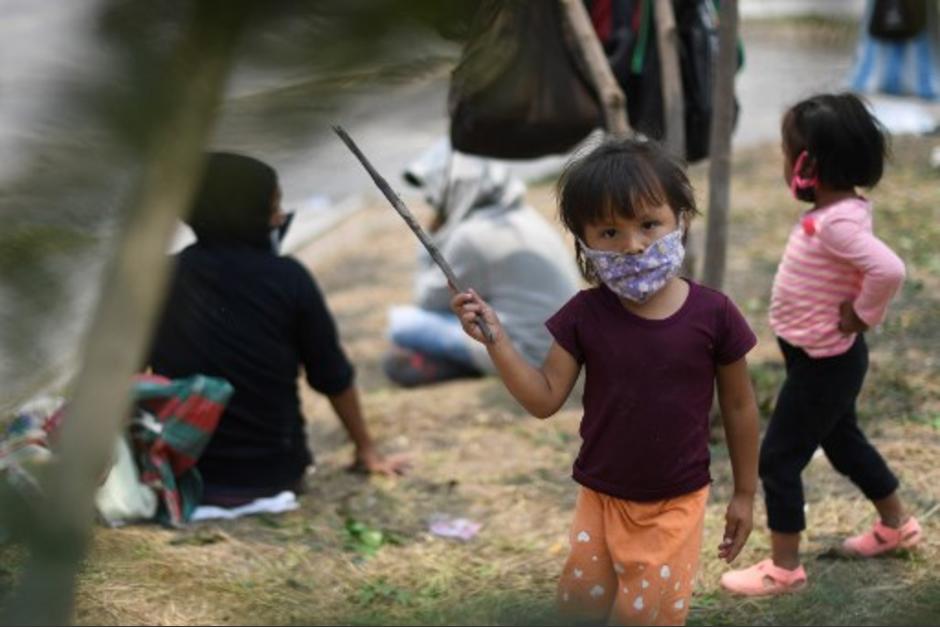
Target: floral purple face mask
x,y
636,277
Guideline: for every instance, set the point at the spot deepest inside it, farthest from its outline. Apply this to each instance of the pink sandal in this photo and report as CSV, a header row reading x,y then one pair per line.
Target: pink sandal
x,y
882,539
764,579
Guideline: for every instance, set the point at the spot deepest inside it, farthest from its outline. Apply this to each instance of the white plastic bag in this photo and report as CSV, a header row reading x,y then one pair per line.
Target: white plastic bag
x,y
123,498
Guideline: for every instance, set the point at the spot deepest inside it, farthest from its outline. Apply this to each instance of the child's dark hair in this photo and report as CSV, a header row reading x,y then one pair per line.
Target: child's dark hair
x,y
845,143
620,177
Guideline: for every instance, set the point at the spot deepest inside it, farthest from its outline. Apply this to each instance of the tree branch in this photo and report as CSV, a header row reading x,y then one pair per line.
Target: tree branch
x,y
589,48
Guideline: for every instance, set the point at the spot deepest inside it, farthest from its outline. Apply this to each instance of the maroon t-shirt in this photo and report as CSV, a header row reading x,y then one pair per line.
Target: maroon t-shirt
x,y
648,389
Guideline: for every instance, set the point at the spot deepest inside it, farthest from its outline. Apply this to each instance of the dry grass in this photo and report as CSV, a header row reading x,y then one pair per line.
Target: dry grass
x,y
478,456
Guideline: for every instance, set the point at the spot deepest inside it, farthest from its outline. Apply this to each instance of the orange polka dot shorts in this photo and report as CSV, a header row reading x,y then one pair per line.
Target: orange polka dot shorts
x,y
632,562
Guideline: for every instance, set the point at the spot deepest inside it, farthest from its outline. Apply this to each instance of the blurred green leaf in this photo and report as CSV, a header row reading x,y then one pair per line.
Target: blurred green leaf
x,y
363,539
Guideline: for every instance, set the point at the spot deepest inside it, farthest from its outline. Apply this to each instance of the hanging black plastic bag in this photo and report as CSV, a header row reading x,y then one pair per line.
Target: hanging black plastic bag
x,y
697,29
519,90
897,20
697,23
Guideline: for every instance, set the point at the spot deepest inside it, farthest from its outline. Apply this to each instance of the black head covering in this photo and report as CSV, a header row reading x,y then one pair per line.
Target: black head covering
x,y
233,202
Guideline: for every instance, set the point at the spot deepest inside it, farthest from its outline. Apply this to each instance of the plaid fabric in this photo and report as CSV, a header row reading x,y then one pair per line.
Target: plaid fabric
x,y
173,422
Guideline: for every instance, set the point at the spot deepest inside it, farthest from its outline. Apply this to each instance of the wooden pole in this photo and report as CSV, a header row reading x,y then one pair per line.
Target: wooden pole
x,y
132,294
667,38
719,172
590,50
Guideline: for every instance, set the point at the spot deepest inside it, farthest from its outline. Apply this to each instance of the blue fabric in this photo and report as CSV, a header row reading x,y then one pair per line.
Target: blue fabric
x,y
925,70
895,67
435,333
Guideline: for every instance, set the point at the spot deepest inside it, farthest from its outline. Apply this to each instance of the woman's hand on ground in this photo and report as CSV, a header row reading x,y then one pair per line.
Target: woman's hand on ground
x,y
849,322
371,462
739,520
469,306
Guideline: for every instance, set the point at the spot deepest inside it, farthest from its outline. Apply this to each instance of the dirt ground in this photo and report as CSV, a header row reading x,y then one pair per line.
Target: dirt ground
x,y
359,551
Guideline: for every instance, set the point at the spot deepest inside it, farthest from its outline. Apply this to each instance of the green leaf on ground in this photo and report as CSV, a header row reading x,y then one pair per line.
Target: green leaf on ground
x,y
363,539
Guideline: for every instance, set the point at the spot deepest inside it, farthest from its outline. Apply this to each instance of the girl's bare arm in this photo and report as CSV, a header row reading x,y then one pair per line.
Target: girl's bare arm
x,y
541,391
740,417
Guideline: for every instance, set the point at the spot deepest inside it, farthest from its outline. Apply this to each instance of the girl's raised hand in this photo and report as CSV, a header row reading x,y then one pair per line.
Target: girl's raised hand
x,y
468,306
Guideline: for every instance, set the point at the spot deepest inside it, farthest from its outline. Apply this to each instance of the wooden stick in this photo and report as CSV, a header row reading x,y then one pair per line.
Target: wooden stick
x,y
590,50
410,221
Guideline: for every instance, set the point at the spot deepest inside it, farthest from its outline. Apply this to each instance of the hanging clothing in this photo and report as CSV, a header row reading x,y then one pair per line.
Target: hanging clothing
x,y
627,31
906,66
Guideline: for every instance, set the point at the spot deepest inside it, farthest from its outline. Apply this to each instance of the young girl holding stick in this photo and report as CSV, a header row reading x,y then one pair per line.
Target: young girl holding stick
x,y
653,347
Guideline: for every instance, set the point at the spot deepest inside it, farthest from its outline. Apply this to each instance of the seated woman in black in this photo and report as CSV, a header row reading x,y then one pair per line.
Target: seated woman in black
x,y
238,310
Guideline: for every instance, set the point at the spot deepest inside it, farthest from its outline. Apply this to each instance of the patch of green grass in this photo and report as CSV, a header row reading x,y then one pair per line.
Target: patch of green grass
x,y
382,603
201,537
929,418
381,592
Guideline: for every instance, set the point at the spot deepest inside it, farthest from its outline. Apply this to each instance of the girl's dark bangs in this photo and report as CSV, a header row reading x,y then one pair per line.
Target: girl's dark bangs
x,y
615,187
630,188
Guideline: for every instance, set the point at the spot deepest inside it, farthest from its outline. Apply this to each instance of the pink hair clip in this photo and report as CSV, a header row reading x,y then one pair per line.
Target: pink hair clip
x,y
798,182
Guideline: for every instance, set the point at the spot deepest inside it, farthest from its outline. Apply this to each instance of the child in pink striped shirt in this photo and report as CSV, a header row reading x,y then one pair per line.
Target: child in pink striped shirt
x,y
835,282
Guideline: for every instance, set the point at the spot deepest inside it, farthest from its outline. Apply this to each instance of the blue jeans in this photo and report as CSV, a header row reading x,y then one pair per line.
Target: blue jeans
x,y
884,66
434,333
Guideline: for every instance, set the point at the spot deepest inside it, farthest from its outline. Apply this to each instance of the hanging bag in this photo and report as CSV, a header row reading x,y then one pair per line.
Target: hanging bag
x,y
519,91
897,20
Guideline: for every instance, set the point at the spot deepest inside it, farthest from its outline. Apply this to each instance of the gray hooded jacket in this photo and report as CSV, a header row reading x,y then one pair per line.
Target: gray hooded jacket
x,y
496,244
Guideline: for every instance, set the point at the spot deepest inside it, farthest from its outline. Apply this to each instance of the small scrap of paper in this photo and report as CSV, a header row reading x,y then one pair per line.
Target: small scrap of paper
x,y
460,528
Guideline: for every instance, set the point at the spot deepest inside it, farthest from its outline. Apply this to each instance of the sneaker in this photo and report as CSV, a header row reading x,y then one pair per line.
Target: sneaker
x,y
410,368
764,579
882,539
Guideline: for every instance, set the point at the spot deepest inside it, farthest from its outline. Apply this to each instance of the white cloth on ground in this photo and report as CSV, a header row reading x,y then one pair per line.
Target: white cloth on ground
x,y
284,502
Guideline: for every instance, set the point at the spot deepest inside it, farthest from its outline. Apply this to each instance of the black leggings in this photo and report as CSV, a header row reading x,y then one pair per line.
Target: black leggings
x,y
816,407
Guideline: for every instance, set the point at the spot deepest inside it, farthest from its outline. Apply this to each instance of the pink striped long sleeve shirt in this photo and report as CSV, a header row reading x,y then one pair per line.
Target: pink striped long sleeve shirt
x,y
832,256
